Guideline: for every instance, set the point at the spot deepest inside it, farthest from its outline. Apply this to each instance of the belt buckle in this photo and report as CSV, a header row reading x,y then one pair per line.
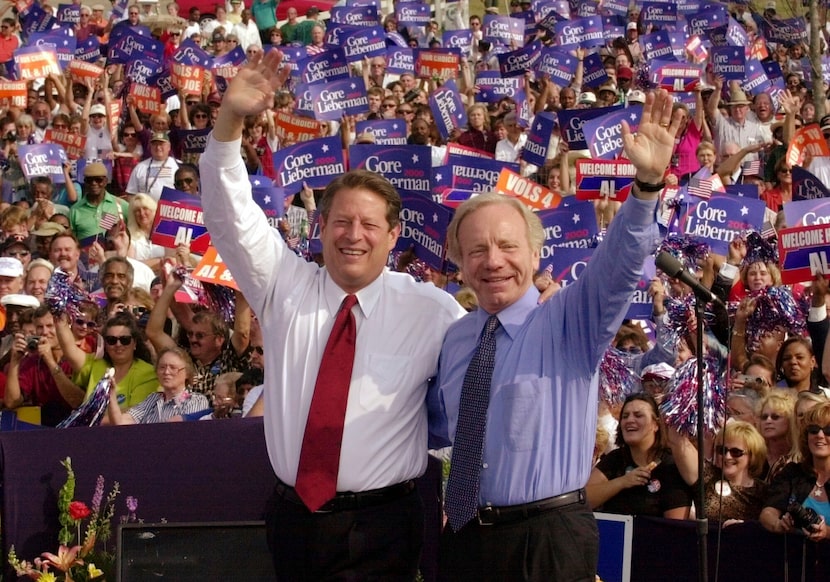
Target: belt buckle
x,y
480,514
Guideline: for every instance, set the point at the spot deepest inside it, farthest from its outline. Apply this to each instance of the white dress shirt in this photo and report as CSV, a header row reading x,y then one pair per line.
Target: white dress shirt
x,y
400,327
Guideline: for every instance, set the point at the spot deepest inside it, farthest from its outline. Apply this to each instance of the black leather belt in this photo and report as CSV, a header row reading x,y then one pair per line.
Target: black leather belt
x,y
496,515
351,500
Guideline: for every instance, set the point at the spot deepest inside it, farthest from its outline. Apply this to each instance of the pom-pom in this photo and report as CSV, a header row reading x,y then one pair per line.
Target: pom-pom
x,y
63,296
679,409
686,250
92,411
221,300
759,250
616,377
775,308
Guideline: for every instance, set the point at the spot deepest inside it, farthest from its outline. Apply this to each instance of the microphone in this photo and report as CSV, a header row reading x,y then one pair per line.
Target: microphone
x,y
674,268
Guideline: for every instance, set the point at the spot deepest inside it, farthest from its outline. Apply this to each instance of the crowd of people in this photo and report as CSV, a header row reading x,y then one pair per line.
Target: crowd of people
x,y
512,386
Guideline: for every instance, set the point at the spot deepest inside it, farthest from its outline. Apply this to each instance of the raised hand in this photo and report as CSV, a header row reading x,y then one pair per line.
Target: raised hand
x,y
252,90
651,149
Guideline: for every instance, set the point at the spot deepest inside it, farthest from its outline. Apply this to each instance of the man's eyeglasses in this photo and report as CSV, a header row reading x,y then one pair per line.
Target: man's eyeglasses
x,y
258,349
772,416
124,340
59,126
175,34
814,429
198,335
16,254
404,112
734,451
183,182
785,171
169,368
95,180
192,103
129,134
389,105
81,322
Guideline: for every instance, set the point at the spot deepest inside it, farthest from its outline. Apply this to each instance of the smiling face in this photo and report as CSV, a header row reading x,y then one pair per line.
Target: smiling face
x,y
734,468
119,353
497,260
774,424
638,425
758,276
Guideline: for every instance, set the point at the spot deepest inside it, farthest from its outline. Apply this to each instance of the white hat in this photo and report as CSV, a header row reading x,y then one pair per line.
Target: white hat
x,y
10,267
587,97
661,371
97,109
631,26
771,5
20,300
636,96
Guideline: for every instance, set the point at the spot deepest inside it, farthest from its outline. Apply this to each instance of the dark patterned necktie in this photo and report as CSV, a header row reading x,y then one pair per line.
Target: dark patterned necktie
x,y
463,486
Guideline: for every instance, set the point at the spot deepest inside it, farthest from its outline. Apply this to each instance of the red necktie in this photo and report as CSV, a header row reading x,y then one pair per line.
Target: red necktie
x,y
320,455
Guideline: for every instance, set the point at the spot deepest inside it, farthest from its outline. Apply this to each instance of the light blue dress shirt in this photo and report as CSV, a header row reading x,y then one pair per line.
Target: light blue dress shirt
x,y
541,421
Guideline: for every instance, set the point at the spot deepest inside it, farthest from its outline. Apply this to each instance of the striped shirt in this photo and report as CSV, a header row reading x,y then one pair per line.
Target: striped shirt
x,y
155,409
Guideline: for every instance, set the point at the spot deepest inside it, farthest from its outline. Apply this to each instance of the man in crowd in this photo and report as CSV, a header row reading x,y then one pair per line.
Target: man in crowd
x,y
344,504
153,174
85,215
518,400
289,29
737,127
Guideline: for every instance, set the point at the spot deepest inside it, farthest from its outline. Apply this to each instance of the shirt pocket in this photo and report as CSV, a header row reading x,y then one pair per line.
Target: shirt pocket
x,y
523,407
390,379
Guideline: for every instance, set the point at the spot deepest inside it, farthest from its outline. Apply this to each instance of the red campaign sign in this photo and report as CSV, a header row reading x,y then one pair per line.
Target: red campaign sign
x,y
73,143
604,179
15,92
807,139
81,70
292,128
179,221
462,150
802,253
188,78
435,64
146,98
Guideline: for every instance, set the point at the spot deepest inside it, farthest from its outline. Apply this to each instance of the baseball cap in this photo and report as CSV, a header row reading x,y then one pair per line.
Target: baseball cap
x,y
20,300
95,169
160,136
97,109
636,96
587,97
10,267
631,26
48,229
625,73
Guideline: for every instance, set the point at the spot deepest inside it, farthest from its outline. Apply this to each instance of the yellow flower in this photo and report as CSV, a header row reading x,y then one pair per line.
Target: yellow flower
x,y
93,571
47,577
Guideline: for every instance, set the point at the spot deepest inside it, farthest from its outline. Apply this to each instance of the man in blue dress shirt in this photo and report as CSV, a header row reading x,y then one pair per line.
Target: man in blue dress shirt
x,y
531,520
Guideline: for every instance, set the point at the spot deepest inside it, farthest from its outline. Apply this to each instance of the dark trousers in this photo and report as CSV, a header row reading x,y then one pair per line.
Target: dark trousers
x,y
561,545
382,542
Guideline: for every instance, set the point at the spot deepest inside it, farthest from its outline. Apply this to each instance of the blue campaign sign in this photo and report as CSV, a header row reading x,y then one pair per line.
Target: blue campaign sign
x,y
477,174
674,76
567,263
88,50
736,35
385,131
458,39
315,162
408,167
807,212
395,38
62,40
549,20
189,53
616,538
616,7
36,19
538,138
179,221
580,32
336,33
492,87
642,306
660,14
573,226
329,65
135,46
729,62
806,186
268,197
413,14
714,16
334,99
720,219
518,62
657,45
193,141
143,71
587,8
557,65
756,78
571,121
400,60
678,40
594,71
355,15
447,108
424,228
69,13
365,42
505,30
604,134
45,159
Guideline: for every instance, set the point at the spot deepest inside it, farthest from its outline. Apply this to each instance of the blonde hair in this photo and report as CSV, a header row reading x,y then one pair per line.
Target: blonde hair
x,y
755,445
139,201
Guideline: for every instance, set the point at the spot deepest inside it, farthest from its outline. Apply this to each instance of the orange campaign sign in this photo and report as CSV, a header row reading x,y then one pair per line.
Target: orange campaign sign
x,y
14,92
292,128
146,98
73,143
440,64
36,62
527,191
807,139
211,269
115,115
81,70
188,78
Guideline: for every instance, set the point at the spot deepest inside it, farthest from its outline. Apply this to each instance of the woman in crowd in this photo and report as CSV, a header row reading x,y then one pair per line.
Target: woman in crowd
x,y
777,426
640,477
478,134
126,153
124,350
687,141
782,190
174,370
140,218
706,156
805,483
806,401
796,364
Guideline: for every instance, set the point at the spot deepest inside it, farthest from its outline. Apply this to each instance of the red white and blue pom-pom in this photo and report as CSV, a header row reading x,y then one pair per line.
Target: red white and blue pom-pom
x,y
91,412
686,250
63,296
221,300
758,249
775,308
616,377
679,408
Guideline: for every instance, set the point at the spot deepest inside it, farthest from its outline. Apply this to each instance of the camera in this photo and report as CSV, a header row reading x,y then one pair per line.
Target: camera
x,y
10,137
32,343
803,517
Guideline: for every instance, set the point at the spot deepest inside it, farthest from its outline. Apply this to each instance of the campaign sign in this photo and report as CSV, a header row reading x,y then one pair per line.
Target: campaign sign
x,y
580,32
720,219
88,50
538,139
461,150
616,7
504,30
336,33
735,34
807,186
558,66
119,7
756,80
400,60
572,226
587,8
329,65
134,46
268,197
807,139
165,84
408,168
660,14
143,71
424,228
657,45
45,159
394,39
729,62
680,42
292,128
548,21
785,31
364,42
492,87
355,15
604,134
714,16
316,162
453,197
187,78
807,212
437,63
211,269
179,221
146,98
14,93
571,121
530,193
594,72
518,62
123,29
674,76
603,179
334,99
35,19
458,39
34,62
567,263
69,13
385,131
74,144
802,252
193,141
80,71
447,109
480,175
61,40
412,13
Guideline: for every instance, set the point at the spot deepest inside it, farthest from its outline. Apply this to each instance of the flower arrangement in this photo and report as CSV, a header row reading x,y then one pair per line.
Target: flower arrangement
x,y
79,559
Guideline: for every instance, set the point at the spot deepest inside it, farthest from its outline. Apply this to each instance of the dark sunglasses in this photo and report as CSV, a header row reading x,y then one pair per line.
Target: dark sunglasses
x,y
734,451
404,111
192,103
81,322
814,429
258,349
785,171
389,105
95,180
772,416
129,134
125,340
200,116
183,182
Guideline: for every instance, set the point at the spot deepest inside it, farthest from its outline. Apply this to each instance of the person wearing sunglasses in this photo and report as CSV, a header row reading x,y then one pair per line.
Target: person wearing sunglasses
x,y
782,189
124,350
153,174
17,247
777,425
804,484
85,215
126,153
172,401
640,477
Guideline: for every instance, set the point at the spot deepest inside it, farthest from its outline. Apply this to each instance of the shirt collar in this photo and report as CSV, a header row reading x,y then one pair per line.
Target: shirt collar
x,y
513,316
367,298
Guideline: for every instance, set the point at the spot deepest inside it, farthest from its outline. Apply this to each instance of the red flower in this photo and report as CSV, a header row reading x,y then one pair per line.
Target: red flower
x,y
78,510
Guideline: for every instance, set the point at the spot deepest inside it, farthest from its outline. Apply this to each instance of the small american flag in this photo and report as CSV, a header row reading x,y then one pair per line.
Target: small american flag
x,y
701,187
108,220
752,168
768,230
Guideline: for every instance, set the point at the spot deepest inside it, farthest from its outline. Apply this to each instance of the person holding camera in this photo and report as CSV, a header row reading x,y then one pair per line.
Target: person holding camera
x,y
799,497
39,375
